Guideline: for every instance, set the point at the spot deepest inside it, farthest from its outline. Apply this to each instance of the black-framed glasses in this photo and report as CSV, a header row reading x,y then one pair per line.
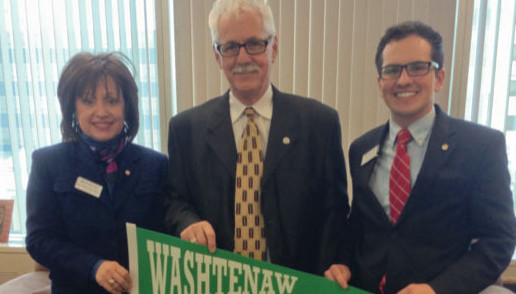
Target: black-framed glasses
x,y
414,69
252,47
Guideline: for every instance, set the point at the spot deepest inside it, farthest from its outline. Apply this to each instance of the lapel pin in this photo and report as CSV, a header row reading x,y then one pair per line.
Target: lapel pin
x,y
444,147
286,140
127,172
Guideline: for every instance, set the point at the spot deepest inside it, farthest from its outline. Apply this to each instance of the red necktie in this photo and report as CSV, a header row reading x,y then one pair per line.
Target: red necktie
x,y
399,180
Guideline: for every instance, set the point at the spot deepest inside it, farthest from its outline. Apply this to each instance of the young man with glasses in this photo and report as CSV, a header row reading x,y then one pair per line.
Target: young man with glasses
x,y
293,210
432,208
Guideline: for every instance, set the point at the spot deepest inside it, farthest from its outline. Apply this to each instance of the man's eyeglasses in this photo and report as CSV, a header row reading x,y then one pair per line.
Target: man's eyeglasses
x,y
252,47
414,69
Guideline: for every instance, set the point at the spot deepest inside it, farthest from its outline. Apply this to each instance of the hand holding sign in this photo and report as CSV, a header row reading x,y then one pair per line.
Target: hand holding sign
x,y
339,273
201,233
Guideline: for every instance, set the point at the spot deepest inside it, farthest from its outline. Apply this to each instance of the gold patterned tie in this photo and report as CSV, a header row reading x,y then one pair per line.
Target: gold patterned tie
x,y
249,224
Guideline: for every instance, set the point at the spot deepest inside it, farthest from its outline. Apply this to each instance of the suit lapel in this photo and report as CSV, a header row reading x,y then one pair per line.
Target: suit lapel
x,y
85,162
283,133
440,147
368,162
128,169
220,133
365,170
86,166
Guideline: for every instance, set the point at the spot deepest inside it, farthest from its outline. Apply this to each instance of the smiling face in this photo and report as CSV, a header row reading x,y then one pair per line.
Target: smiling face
x,y
248,75
101,114
409,98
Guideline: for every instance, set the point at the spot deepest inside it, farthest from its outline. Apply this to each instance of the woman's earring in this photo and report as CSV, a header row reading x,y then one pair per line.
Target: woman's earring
x,y
126,128
75,123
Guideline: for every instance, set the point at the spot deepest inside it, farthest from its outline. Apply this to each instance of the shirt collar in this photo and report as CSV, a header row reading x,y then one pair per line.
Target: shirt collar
x,y
263,106
419,130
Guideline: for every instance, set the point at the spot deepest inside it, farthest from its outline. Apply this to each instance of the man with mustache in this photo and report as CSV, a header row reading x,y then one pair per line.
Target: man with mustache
x,y
432,207
257,171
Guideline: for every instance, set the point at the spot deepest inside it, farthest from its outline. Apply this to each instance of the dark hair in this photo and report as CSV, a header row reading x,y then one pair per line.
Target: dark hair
x,y
405,29
81,75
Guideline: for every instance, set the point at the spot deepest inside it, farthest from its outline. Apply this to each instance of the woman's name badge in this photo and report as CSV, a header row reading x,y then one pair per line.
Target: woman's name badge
x,y
88,187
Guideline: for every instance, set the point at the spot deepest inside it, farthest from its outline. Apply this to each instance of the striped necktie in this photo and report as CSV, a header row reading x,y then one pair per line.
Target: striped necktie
x,y
399,180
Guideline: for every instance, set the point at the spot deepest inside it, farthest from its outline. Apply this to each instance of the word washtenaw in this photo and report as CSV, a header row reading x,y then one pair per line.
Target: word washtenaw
x,y
197,273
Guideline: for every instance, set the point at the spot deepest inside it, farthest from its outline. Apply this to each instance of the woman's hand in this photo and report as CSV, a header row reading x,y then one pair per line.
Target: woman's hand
x,y
113,277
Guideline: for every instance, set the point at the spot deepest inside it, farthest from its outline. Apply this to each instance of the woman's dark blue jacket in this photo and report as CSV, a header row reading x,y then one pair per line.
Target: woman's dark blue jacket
x,y
69,230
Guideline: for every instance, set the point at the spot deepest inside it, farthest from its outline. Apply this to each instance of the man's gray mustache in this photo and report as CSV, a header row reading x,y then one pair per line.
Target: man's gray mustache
x,y
245,69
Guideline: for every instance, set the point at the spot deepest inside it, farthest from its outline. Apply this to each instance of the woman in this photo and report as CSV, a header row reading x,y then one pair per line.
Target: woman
x,y
82,192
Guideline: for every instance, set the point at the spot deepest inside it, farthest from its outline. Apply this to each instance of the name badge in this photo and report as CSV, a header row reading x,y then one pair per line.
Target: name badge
x,y
369,155
88,187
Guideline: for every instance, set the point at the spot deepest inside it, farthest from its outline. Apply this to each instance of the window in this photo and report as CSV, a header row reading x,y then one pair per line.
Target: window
x,y
36,40
491,93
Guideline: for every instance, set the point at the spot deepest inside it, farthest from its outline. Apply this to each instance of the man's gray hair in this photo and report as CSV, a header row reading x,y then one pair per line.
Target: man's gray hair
x,y
236,7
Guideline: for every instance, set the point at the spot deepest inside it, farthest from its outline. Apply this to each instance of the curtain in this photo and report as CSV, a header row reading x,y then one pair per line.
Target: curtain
x,y
491,88
326,51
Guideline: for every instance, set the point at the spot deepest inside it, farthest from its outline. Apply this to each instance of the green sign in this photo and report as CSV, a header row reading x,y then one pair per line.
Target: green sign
x,y
162,264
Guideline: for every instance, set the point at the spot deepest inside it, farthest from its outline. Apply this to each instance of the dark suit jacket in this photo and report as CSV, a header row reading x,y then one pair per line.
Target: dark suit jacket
x,y
461,193
304,195
68,231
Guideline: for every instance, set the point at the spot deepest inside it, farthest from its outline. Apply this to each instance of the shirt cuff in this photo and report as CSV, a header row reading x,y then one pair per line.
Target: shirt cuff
x,y
96,268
